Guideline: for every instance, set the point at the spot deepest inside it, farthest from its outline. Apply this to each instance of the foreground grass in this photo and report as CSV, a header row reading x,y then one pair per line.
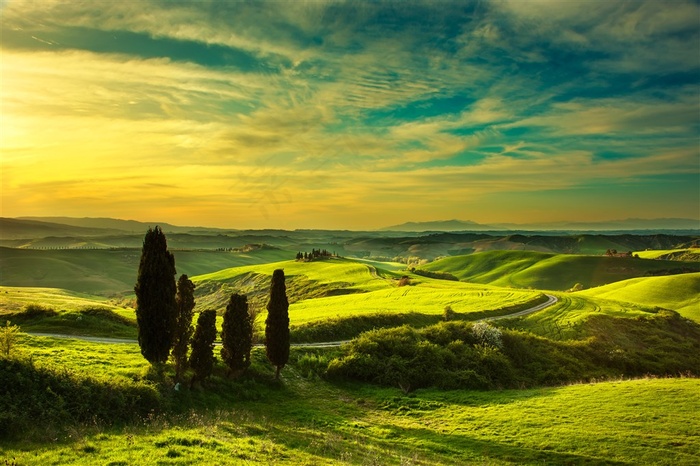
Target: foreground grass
x,y
309,421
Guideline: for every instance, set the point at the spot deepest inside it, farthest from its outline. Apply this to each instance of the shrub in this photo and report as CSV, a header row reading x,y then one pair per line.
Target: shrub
x,y
480,356
487,335
8,337
36,399
37,310
448,314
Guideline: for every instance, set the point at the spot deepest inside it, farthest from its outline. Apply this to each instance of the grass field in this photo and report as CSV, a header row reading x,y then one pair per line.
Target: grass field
x,y
543,271
680,293
671,254
306,419
310,421
109,272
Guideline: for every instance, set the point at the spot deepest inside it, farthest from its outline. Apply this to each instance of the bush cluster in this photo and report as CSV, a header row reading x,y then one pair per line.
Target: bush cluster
x,y
434,274
36,398
478,356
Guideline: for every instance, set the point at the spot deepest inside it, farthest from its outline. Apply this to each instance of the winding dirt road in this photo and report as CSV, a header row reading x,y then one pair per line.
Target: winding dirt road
x,y
328,344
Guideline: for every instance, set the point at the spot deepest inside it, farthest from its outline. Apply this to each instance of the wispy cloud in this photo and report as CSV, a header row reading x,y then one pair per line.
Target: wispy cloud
x,y
320,113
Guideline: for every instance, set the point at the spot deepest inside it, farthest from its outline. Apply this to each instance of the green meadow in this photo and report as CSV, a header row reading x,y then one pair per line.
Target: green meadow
x,y
678,292
523,269
582,381
689,254
305,419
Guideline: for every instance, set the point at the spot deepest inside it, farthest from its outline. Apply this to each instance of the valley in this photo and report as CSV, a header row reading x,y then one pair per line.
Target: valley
x,y
604,328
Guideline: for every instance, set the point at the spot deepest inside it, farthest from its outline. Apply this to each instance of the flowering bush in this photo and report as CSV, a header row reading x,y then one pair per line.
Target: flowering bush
x,y
487,335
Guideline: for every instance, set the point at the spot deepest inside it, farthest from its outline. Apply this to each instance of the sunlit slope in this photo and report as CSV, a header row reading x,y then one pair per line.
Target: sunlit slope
x,y
680,293
551,271
108,272
692,254
428,298
304,280
343,287
17,298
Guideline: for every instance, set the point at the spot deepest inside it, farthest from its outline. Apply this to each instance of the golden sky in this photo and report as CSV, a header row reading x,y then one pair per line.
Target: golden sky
x,y
350,114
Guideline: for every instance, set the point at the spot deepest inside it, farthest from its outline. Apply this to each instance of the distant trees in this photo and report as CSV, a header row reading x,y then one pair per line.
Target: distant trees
x,y
314,254
156,309
183,326
237,334
277,323
202,357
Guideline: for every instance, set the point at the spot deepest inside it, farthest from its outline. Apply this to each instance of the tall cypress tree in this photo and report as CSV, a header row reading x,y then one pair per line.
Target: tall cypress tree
x,y
156,311
183,328
202,356
237,334
277,323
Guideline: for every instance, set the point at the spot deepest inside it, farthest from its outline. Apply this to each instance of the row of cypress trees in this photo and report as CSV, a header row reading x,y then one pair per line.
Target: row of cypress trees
x,y
164,313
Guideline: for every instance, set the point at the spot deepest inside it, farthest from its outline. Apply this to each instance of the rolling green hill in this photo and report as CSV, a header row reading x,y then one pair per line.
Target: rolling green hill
x,y
108,272
526,269
688,254
680,293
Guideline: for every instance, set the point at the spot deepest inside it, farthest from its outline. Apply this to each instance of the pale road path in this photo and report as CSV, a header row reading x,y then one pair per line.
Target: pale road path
x,y
327,344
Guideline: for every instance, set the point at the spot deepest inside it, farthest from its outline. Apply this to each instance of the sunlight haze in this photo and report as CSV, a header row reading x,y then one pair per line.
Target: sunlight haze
x,y
353,115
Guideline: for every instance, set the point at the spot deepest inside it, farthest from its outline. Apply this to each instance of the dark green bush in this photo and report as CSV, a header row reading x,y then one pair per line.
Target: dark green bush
x,y
452,355
35,398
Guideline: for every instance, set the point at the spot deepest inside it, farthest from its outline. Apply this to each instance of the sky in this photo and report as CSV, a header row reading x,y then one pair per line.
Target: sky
x,y
350,114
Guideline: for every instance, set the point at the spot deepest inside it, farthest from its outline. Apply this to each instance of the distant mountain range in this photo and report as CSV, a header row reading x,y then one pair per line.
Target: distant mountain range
x,y
44,227
115,225
615,225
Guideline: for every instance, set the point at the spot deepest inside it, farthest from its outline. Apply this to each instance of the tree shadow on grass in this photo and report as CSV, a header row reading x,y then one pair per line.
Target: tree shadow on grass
x,y
467,449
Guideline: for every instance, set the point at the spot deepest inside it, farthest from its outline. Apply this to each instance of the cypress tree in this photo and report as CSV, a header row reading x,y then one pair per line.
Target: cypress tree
x,y
237,334
277,323
202,356
156,311
183,327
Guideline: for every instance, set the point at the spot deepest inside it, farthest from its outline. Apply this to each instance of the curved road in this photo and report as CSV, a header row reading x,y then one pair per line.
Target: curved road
x,y
328,344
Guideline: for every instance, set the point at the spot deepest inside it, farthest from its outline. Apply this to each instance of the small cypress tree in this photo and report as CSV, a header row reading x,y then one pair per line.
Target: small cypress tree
x,y
202,356
183,327
237,335
156,311
277,323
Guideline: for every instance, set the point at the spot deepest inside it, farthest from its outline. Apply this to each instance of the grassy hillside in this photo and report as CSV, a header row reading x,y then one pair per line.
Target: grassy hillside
x,y
550,271
337,290
647,421
62,311
692,254
680,293
109,272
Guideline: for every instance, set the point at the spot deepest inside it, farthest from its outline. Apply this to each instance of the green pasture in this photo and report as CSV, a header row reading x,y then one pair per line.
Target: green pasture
x,y
527,269
306,420
16,298
692,254
563,320
680,293
109,272
424,298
